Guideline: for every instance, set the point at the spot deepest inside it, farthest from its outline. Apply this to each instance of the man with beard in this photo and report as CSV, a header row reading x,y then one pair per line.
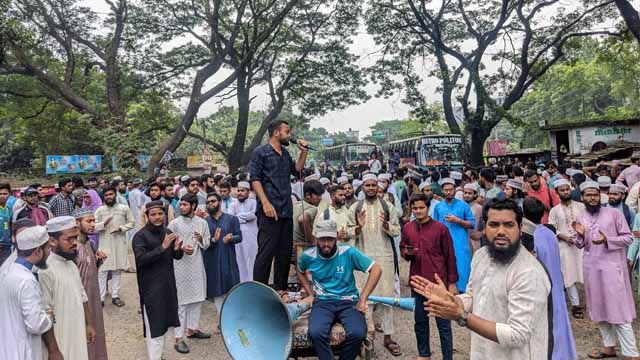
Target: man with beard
x,y
88,263
23,318
245,210
375,221
207,183
470,195
536,187
334,293
270,168
349,196
548,252
225,195
154,192
155,248
32,208
220,258
616,195
604,235
121,190
456,215
63,291
113,220
338,212
562,216
189,271
427,244
508,285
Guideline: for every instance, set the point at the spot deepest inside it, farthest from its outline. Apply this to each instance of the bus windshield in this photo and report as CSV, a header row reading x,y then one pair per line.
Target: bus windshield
x,y
360,152
441,150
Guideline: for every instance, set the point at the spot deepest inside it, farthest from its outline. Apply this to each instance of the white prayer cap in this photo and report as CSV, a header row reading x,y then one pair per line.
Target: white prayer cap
x,y
470,187
604,181
356,183
456,175
424,184
561,182
384,177
32,237
324,181
589,185
578,172
618,188
117,178
244,184
368,177
570,171
82,212
311,177
185,178
326,228
502,178
60,223
515,183
342,180
291,177
447,181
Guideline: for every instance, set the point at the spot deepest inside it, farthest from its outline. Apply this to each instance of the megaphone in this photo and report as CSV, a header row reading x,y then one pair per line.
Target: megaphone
x,y
408,304
256,324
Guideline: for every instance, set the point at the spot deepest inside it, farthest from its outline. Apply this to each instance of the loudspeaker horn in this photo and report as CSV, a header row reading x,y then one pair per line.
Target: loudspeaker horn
x,y
408,304
256,324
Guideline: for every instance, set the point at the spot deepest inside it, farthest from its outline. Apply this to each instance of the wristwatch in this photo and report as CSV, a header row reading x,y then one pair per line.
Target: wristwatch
x,y
463,319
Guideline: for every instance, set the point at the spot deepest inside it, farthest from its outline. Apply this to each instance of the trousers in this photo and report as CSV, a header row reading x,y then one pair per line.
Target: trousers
x,y
155,345
388,327
189,316
115,283
624,333
275,240
324,314
572,294
421,328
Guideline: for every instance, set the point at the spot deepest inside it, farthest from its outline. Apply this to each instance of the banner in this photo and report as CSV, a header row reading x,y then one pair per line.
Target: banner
x,y
194,162
207,159
497,147
73,164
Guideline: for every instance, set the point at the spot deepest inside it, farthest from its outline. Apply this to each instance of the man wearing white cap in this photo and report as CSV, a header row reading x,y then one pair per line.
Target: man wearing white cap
x,y
377,223
245,210
337,212
616,196
561,217
425,188
470,193
23,318
604,234
63,291
604,182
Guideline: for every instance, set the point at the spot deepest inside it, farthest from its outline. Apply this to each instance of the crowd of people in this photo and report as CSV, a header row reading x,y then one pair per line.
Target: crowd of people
x,y
499,250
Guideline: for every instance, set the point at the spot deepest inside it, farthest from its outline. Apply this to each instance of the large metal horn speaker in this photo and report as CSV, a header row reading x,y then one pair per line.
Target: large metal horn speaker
x,y
256,324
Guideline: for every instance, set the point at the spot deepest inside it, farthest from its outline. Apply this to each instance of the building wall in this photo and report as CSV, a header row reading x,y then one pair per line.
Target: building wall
x,y
582,139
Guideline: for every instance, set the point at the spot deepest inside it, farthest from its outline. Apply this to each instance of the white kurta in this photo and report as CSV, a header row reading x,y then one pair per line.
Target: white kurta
x,y
114,245
63,292
227,204
515,297
191,279
247,249
562,216
136,199
374,242
23,317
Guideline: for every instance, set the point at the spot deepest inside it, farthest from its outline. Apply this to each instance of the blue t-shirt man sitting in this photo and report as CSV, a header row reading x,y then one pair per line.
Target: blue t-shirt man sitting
x,y
335,296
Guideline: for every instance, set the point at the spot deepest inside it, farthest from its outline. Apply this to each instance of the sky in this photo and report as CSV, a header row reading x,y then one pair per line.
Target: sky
x,y
358,117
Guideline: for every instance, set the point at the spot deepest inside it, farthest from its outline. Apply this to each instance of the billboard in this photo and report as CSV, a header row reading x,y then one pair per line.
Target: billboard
x,y
73,164
497,147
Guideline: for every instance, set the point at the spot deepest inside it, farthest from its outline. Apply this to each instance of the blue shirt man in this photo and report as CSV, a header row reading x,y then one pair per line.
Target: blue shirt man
x,y
5,222
334,290
456,215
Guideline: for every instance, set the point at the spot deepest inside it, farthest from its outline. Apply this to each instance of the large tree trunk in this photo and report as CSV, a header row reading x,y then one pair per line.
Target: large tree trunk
x,y
477,135
630,16
236,154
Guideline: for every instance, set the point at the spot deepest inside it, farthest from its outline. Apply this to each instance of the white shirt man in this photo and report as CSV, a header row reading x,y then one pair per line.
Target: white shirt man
x,y
245,210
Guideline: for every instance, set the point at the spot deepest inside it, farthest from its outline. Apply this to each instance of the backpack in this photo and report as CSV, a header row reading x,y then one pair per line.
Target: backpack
x,y
385,208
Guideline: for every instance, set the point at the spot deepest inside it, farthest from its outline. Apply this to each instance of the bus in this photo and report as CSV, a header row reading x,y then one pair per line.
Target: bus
x,y
428,150
349,156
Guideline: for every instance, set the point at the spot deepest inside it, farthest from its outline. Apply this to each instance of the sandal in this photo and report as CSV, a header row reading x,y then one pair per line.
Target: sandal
x,y
284,296
597,354
393,347
577,312
378,328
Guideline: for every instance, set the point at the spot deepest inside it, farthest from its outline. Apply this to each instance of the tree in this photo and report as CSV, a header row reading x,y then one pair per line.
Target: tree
x,y
521,38
630,16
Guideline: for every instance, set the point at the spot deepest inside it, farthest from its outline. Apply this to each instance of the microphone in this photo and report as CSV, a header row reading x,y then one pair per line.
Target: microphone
x,y
293,140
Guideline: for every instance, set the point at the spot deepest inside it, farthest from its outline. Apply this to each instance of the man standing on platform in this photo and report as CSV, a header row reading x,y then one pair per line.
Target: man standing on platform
x,y
88,263
270,168
191,280
456,215
113,220
245,210
604,235
562,216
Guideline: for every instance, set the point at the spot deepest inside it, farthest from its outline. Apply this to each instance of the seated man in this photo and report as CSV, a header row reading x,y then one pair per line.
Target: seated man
x,y
334,287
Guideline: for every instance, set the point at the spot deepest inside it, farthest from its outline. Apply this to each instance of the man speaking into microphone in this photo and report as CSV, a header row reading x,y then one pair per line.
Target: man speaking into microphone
x,y
270,168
